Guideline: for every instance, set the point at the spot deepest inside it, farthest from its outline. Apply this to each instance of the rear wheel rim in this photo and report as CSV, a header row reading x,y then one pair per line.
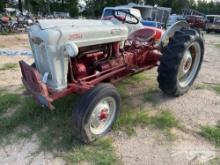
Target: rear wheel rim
x,y
189,65
102,115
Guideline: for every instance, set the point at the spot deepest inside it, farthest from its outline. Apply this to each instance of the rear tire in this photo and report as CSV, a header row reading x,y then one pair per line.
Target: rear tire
x,y
181,62
96,112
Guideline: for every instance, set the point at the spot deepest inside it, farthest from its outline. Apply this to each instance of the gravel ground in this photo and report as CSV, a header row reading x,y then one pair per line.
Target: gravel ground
x,y
14,42
197,107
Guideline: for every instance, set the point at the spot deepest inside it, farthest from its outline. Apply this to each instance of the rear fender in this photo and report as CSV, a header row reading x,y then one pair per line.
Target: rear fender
x,y
170,32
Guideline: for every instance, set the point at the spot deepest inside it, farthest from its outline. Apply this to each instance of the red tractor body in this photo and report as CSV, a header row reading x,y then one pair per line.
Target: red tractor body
x,y
138,54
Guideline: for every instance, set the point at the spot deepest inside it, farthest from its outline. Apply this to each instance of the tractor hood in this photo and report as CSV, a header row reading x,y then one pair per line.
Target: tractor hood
x,y
58,23
81,31
49,40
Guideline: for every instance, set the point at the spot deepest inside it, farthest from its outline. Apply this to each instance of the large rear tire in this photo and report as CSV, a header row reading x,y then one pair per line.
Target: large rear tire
x,y
96,112
181,62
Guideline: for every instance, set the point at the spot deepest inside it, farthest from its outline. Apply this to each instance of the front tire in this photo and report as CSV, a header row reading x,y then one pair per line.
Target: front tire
x,y
181,62
96,112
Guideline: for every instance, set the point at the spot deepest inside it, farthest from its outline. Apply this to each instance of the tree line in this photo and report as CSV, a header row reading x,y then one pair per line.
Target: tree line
x,y
94,7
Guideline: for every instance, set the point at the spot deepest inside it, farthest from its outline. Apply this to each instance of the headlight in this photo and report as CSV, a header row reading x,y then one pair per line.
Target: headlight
x,y
71,49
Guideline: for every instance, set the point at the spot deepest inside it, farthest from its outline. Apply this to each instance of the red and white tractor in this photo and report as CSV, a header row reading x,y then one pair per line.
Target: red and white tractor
x,y
89,56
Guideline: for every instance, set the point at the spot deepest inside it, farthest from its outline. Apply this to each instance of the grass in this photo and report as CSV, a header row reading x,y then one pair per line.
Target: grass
x,y
217,45
8,66
2,91
139,85
27,46
134,115
199,86
130,118
7,101
212,133
17,38
2,46
99,153
135,80
164,120
4,33
149,96
215,161
53,129
216,88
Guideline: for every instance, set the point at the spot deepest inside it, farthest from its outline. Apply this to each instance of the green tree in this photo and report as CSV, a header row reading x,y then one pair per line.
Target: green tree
x,y
94,8
73,10
36,5
192,4
178,5
2,4
208,7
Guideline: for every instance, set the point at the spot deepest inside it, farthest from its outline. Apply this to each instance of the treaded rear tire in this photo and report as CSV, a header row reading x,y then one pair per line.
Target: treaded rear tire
x,y
83,110
172,56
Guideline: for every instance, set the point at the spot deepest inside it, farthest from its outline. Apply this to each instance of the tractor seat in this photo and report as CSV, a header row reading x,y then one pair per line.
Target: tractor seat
x,y
142,35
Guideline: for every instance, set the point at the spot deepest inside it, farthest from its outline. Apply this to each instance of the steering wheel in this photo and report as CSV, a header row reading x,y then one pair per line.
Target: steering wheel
x,y
125,17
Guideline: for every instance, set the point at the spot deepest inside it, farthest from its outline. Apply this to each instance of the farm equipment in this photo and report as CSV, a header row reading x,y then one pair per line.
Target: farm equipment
x,y
194,18
6,20
89,56
23,21
6,24
196,21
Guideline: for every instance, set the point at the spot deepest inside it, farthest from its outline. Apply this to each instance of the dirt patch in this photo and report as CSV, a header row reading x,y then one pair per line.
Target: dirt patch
x,y
14,42
196,108
150,147
26,151
210,68
11,78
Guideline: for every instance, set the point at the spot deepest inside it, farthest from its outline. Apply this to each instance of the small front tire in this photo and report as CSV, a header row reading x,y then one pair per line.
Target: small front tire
x,y
96,112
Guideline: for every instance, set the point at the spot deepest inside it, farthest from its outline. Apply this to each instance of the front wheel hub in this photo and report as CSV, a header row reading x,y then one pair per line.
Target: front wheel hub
x,y
102,115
